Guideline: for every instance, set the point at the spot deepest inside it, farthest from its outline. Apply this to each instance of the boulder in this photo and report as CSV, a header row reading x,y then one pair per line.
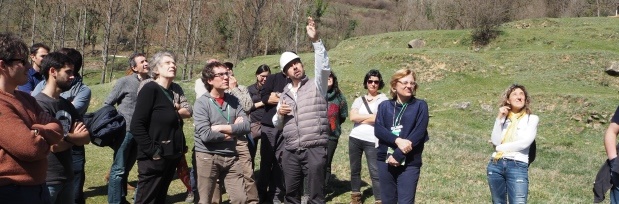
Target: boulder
x,y
416,43
613,70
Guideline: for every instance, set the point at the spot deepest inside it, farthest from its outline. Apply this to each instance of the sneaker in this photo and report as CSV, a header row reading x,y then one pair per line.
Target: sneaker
x,y
304,199
189,198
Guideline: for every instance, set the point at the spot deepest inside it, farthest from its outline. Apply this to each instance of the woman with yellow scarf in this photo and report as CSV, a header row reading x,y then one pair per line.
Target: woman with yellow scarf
x,y
513,133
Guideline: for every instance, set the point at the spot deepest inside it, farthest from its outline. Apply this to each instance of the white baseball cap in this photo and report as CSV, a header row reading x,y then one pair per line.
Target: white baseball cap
x,y
286,58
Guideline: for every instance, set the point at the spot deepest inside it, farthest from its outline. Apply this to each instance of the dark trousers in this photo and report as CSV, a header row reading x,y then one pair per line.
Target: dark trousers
x,y
356,148
154,177
16,194
79,161
331,146
270,182
298,164
397,184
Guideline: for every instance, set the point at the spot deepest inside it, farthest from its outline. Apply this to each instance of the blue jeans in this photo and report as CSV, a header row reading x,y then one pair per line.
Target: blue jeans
x,y
356,148
508,179
61,193
79,160
24,194
614,178
124,158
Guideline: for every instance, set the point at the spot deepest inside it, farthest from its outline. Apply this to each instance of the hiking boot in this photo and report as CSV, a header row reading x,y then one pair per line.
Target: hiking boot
x,y
189,198
355,198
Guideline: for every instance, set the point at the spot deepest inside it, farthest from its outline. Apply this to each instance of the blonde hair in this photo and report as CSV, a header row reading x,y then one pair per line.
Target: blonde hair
x,y
509,90
397,76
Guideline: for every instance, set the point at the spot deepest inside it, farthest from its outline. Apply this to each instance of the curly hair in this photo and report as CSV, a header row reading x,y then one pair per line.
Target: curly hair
x,y
512,88
12,47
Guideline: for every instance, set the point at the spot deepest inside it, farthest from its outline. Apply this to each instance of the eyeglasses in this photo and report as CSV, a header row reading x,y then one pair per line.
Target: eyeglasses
x,y
23,61
412,83
373,82
221,75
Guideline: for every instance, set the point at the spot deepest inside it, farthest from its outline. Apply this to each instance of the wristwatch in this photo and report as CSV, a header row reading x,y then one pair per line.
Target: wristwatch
x,y
65,138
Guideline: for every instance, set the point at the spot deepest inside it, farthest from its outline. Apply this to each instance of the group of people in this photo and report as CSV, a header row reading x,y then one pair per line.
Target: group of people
x,y
296,120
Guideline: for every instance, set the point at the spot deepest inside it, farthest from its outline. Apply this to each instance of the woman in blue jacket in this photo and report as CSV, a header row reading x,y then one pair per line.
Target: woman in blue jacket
x,y
401,128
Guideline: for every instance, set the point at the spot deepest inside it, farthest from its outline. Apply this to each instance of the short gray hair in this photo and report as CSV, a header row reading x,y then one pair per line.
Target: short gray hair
x,y
156,62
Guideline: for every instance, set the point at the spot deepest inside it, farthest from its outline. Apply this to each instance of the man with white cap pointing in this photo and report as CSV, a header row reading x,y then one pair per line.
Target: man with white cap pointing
x,y
302,116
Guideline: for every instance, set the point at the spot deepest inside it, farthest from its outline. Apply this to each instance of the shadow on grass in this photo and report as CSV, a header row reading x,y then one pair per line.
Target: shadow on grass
x,y
102,191
95,191
337,187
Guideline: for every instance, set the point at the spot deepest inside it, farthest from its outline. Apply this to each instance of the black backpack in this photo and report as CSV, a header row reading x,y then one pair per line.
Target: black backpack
x,y
105,126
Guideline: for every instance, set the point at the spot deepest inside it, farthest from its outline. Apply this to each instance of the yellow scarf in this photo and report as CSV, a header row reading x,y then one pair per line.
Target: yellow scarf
x,y
510,134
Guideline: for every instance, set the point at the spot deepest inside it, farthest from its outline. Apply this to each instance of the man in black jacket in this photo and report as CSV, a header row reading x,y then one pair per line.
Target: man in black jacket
x,y
270,182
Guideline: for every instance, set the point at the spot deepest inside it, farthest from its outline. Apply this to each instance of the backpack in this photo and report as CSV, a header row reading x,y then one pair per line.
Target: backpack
x,y
105,125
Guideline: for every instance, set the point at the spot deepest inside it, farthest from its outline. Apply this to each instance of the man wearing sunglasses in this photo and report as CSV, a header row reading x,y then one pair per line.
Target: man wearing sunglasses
x,y
26,131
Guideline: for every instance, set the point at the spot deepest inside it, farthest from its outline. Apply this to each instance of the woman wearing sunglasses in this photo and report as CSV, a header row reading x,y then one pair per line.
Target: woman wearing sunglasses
x,y
362,139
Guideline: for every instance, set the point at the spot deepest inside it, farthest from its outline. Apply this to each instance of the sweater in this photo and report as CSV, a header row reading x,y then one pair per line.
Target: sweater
x,y
207,112
414,124
255,93
156,125
519,148
23,155
125,94
178,94
275,83
337,112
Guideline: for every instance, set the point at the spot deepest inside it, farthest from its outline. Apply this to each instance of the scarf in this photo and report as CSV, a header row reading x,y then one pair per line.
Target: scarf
x,y
510,134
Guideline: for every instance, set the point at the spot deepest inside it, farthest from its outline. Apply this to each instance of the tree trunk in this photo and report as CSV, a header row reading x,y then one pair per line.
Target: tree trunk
x,y
257,9
167,26
194,38
137,27
63,23
106,39
55,28
297,10
192,4
34,22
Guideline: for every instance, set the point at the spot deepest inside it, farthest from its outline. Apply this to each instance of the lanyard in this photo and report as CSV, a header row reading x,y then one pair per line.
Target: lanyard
x,y
398,119
221,112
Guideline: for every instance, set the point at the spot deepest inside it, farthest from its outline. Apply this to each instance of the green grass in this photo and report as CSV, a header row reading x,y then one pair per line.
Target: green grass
x,y
560,61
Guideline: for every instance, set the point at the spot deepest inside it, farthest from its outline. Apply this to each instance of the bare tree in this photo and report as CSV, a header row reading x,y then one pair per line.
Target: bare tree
x,y
106,38
167,25
63,23
137,26
194,38
188,38
34,22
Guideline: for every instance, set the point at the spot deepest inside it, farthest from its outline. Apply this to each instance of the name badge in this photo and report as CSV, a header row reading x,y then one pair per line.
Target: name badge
x,y
396,130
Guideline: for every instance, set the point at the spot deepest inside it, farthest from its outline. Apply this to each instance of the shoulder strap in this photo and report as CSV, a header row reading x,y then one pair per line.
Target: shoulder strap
x,y
366,104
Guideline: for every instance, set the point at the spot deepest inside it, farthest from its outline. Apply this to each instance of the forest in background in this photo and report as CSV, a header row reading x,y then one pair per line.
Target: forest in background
x,y
238,29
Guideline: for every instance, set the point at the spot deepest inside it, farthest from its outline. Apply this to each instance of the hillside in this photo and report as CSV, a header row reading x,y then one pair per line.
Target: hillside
x,y
560,61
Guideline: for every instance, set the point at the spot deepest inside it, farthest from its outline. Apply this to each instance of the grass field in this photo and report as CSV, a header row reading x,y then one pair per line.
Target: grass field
x,y
560,61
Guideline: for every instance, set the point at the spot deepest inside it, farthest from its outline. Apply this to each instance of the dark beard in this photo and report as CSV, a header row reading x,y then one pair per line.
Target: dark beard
x,y
64,86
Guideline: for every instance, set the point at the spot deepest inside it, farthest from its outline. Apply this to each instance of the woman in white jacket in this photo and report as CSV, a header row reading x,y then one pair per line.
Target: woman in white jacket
x,y
513,133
